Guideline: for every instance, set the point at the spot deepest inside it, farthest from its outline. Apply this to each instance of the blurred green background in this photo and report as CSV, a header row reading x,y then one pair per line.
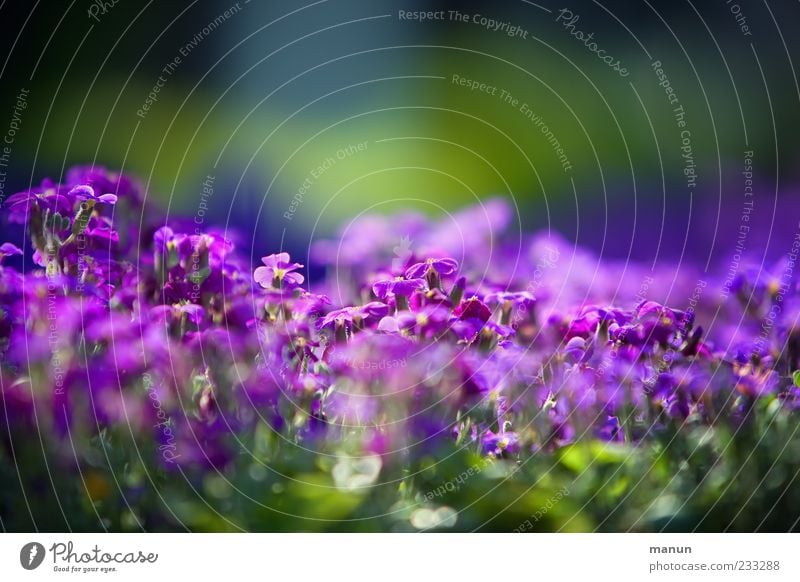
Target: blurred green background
x,y
265,92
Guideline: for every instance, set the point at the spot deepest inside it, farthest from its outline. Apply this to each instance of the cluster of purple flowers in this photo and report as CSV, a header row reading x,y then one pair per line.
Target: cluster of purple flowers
x,y
421,333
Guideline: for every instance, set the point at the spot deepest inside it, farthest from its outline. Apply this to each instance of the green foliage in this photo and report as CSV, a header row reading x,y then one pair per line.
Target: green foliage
x,y
734,478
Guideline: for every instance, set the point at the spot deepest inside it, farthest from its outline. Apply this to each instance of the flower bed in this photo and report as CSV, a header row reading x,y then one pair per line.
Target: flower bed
x,y
442,375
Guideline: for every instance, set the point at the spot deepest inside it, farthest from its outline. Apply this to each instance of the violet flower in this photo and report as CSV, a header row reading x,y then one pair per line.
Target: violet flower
x,y
86,192
442,267
355,315
398,286
8,249
278,272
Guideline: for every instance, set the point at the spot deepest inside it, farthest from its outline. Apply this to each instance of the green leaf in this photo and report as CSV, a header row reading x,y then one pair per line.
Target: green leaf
x,y
575,457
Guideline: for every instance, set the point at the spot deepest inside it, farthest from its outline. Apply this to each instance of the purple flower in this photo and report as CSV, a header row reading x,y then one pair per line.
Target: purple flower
x,y
611,430
9,250
515,298
278,271
499,331
86,192
103,180
660,324
433,296
441,267
398,286
575,349
500,444
428,322
163,238
194,313
49,197
364,313
473,308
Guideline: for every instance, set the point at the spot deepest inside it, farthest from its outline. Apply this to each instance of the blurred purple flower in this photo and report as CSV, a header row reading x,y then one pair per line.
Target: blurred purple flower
x,y
442,267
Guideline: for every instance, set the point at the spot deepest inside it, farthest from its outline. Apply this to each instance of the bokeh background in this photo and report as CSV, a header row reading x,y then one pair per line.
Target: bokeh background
x,y
266,91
